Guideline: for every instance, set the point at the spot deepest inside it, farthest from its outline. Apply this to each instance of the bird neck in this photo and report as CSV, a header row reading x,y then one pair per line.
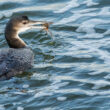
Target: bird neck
x,y
12,38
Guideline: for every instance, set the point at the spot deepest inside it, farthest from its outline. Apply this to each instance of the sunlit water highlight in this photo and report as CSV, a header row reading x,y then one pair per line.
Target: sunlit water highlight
x,y
72,69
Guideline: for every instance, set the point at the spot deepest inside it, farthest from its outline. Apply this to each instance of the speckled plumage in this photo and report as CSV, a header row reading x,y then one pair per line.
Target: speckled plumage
x,y
15,61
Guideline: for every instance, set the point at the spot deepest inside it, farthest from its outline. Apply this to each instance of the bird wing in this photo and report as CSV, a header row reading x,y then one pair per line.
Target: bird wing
x,y
15,60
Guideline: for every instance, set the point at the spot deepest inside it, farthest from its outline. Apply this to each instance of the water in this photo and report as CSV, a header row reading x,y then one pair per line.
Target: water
x,y
72,69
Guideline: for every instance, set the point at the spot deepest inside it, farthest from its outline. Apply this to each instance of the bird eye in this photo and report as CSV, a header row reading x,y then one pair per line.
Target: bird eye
x,y
24,22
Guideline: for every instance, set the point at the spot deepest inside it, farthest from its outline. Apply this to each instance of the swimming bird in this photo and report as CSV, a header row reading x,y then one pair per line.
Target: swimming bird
x,y
18,57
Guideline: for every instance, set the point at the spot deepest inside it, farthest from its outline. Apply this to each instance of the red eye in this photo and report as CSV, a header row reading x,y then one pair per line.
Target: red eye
x,y
24,22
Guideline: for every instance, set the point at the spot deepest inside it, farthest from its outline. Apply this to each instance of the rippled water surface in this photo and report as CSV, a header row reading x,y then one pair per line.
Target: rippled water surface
x,y
72,69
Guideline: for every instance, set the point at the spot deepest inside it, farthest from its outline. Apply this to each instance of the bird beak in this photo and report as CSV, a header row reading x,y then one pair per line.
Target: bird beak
x,y
37,24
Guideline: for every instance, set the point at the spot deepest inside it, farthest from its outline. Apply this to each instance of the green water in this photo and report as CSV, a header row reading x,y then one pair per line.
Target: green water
x,y
72,69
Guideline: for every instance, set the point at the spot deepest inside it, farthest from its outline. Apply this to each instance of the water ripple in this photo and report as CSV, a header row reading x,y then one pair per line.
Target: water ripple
x,y
71,70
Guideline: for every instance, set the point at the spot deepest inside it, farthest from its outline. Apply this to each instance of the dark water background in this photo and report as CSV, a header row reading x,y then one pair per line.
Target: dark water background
x,y
72,70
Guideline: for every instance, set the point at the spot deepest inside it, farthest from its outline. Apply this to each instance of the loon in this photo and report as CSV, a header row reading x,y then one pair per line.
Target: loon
x,y
18,57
